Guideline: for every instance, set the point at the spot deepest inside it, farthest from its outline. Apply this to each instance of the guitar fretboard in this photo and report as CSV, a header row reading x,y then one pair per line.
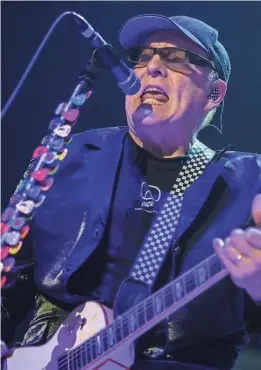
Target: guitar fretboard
x,y
145,314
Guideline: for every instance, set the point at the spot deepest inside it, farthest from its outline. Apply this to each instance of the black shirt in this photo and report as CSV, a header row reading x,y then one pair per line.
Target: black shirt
x,y
142,183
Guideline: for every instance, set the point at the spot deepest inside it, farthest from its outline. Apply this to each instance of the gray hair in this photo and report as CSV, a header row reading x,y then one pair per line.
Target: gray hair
x,y
212,77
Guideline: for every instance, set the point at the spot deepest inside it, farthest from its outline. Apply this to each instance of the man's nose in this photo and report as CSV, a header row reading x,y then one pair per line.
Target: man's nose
x,y
155,67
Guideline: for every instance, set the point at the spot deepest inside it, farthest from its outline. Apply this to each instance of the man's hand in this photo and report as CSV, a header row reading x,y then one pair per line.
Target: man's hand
x,y
241,254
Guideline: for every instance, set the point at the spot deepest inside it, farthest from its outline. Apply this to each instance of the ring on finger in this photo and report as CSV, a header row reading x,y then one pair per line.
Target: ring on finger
x,y
238,258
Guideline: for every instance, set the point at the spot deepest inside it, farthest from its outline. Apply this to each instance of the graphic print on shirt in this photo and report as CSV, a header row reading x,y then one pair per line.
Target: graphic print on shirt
x,y
149,196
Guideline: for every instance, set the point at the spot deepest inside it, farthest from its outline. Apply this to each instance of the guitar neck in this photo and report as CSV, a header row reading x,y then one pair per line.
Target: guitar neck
x,y
145,315
148,313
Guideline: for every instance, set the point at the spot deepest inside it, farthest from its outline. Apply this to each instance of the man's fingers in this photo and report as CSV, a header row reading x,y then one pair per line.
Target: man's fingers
x,y
256,209
253,236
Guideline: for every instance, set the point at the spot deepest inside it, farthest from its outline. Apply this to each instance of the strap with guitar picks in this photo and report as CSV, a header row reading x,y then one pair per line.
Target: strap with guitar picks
x,y
38,179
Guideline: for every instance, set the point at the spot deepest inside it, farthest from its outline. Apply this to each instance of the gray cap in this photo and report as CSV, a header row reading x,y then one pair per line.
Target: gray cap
x,y
136,29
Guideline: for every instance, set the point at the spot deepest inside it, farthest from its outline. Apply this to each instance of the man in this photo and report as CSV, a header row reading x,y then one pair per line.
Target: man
x,y
114,183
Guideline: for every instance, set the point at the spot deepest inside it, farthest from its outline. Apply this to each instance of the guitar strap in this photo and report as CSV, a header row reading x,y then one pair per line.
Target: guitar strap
x,y
161,236
162,233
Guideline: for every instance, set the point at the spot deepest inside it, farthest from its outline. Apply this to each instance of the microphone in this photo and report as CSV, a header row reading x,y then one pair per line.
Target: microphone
x,y
126,78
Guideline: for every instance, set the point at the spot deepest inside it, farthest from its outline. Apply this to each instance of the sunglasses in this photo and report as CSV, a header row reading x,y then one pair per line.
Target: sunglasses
x,y
171,57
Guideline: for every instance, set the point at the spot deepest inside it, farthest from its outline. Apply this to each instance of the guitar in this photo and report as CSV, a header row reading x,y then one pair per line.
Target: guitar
x,y
91,339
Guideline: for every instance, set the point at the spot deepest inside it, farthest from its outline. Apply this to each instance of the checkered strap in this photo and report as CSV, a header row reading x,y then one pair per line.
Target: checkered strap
x,y
160,237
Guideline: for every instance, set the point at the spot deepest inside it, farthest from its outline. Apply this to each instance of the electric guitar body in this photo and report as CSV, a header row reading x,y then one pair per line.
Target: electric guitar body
x,y
85,321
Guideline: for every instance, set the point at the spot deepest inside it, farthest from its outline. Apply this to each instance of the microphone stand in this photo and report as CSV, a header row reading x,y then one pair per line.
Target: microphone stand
x,y
38,179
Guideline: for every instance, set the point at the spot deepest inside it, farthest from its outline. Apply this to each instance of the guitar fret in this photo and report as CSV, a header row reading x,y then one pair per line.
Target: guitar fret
x,y
152,308
88,352
158,302
215,266
118,331
93,348
111,332
125,326
202,273
77,361
149,309
105,341
83,356
132,320
99,344
141,314
178,289
168,296
191,282
77,357
74,363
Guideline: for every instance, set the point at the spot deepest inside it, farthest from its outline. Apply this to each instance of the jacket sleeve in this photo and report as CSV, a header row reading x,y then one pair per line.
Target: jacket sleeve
x,y
252,321
19,293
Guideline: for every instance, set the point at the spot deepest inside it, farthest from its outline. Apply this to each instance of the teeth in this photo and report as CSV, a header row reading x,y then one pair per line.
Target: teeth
x,y
157,89
152,102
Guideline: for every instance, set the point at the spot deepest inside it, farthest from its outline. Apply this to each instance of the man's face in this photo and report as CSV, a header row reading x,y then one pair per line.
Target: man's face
x,y
183,108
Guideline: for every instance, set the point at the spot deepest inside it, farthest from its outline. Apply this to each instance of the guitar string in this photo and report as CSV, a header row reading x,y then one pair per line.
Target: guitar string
x,y
124,319
140,308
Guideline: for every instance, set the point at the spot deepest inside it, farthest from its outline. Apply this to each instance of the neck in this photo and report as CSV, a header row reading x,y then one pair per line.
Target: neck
x,y
158,150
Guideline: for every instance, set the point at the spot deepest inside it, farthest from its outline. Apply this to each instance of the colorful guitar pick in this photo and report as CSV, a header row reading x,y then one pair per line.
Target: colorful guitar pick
x,y
79,99
25,207
11,237
3,280
50,157
16,249
4,252
18,223
33,192
54,170
25,230
4,228
8,214
41,174
62,155
71,115
55,122
40,150
88,94
56,143
45,139
16,198
40,201
68,140
47,183
63,131
8,264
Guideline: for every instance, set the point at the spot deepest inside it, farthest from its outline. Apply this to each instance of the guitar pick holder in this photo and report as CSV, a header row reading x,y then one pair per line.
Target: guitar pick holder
x,y
38,179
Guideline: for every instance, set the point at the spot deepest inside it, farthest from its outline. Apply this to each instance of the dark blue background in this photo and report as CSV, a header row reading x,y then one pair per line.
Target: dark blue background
x,y
55,73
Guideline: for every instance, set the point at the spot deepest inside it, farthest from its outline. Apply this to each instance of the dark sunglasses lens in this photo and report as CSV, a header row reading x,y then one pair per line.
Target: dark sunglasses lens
x,y
173,56
139,56
176,60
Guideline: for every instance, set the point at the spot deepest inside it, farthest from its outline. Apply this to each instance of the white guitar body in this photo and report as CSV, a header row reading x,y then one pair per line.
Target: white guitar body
x,y
81,324
91,339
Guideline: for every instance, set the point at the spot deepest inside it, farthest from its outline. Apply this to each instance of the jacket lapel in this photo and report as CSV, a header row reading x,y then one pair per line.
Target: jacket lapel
x,y
101,156
105,162
196,195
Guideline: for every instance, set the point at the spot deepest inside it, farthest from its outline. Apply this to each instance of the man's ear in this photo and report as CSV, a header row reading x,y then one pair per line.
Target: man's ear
x,y
215,95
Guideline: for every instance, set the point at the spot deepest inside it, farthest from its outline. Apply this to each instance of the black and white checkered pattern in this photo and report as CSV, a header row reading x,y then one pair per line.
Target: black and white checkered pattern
x,y
161,234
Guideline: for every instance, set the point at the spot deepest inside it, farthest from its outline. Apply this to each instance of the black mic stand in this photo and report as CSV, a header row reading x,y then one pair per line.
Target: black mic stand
x,y
37,180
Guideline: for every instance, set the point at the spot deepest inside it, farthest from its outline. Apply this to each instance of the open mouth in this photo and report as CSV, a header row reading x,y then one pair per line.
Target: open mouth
x,y
154,95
